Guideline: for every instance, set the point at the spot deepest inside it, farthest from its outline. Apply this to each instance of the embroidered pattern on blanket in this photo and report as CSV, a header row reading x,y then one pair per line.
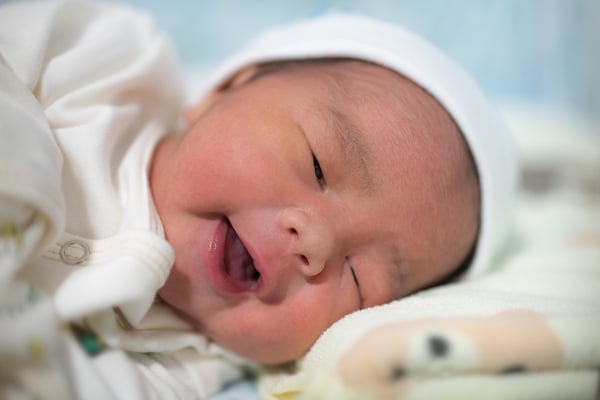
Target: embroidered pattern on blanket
x,y
383,361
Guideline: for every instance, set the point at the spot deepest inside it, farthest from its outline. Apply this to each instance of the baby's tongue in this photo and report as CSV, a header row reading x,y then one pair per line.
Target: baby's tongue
x,y
238,263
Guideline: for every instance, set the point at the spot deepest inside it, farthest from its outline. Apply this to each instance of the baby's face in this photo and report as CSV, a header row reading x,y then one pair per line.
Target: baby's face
x,y
300,196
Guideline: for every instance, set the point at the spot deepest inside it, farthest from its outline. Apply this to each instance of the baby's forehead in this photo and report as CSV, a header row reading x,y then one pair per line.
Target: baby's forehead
x,y
386,101
386,94
359,82
377,98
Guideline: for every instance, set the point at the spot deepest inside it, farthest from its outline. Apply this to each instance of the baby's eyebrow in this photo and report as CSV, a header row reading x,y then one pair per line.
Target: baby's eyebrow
x,y
352,142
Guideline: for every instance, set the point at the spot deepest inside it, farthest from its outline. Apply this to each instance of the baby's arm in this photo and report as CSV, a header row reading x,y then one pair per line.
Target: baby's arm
x,y
71,66
31,213
38,97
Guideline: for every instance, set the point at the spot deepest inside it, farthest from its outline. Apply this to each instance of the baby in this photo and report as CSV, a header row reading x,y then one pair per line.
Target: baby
x,y
330,166
317,179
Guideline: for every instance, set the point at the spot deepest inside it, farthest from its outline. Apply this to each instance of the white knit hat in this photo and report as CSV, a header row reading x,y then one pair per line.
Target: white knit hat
x,y
358,37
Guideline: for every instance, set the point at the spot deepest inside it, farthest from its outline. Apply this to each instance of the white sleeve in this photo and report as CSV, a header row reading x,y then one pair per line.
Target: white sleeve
x,y
50,69
81,71
31,203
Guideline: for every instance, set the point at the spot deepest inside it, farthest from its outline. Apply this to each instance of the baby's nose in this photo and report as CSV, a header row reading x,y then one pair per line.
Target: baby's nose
x,y
313,239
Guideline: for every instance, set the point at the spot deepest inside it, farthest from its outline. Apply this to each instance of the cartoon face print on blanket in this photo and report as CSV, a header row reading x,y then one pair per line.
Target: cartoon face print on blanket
x,y
384,361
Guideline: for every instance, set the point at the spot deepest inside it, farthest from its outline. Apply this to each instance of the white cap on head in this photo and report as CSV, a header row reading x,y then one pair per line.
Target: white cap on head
x,y
364,38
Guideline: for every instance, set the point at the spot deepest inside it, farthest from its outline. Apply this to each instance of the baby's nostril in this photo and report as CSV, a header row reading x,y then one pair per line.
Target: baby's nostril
x,y
293,231
255,275
304,259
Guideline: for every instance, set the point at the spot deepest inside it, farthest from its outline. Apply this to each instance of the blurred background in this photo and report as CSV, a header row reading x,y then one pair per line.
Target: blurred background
x,y
536,51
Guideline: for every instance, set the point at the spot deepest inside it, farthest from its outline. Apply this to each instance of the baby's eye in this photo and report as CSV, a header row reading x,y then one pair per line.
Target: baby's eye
x,y
354,277
318,171
357,285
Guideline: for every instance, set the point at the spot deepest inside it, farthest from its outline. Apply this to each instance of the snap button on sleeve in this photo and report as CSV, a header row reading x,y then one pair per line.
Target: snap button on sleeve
x,y
74,252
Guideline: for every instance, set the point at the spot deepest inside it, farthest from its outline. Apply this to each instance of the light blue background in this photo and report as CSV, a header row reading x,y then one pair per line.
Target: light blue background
x,y
540,50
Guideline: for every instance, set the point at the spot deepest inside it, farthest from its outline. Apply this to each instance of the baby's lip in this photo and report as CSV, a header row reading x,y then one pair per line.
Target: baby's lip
x,y
232,265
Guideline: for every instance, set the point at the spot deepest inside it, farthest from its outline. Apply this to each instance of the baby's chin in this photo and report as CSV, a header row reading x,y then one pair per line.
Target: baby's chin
x,y
269,354
270,358
267,348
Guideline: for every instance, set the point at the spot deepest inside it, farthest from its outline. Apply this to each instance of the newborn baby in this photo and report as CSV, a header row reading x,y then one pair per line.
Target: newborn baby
x,y
304,191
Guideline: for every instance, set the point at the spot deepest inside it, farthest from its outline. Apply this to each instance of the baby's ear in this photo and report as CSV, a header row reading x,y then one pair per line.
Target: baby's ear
x,y
241,77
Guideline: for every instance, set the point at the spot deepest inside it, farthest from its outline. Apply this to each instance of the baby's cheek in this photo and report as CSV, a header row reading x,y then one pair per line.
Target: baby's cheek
x,y
174,291
266,340
271,334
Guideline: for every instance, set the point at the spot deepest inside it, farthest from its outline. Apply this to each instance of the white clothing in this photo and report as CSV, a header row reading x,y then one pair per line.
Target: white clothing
x,y
86,91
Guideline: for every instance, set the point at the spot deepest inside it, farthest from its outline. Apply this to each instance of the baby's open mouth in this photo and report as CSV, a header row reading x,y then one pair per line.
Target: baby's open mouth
x,y
239,265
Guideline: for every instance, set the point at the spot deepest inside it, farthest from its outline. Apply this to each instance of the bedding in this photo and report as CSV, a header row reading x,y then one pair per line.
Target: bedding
x,y
530,329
